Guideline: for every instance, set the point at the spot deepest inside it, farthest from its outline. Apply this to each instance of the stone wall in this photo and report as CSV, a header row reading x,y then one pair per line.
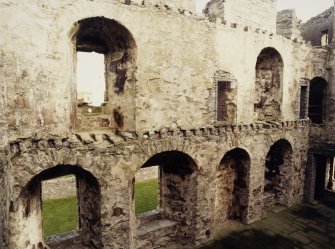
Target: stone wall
x,y
147,174
164,65
59,188
254,13
115,159
52,77
312,30
3,203
287,24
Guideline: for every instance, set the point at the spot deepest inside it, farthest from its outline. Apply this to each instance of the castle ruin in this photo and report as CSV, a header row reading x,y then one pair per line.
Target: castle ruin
x,y
235,106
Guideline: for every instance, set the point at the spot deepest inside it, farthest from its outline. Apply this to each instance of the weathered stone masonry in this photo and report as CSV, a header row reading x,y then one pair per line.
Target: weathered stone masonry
x,y
164,66
120,157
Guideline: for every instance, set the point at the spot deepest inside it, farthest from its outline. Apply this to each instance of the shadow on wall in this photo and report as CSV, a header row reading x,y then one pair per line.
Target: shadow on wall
x,y
254,238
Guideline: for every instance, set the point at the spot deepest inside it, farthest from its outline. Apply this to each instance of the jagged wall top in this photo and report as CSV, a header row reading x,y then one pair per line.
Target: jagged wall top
x,y
254,13
177,4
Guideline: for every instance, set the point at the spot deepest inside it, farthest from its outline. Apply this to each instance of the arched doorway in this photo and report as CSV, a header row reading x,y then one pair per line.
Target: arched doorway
x,y
278,169
232,183
177,196
268,86
29,209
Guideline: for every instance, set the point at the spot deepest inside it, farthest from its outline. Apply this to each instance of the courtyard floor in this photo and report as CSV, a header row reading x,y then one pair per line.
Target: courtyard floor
x,y
306,226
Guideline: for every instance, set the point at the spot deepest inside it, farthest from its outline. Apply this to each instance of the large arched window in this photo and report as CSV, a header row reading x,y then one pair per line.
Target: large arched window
x,y
29,218
317,94
269,81
232,186
109,51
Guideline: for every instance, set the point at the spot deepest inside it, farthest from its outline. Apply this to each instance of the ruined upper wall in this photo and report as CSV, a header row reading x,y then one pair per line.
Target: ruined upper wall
x,y
314,28
177,4
254,13
177,58
287,24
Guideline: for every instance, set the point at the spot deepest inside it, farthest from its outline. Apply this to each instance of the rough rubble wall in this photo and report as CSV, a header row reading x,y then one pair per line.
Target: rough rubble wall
x,y
231,198
287,24
26,213
114,160
278,173
313,28
322,61
3,204
254,13
178,197
59,188
89,201
38,89
170,80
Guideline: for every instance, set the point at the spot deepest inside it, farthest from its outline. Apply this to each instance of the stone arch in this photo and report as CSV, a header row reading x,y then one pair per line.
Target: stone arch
x,y
177,195
317,100
29,209
268,86
117,44
232,186
278,170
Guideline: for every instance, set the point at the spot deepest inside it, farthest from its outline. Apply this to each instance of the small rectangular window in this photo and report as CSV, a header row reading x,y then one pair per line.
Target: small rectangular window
x,y
324,38
223,87
303,102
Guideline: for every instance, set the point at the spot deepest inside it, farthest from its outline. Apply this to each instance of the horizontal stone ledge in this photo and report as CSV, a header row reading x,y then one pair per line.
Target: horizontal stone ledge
x,y
115,138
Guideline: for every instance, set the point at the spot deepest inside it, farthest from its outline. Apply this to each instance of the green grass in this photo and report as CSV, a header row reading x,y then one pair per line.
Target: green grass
x,y
61,215
146,194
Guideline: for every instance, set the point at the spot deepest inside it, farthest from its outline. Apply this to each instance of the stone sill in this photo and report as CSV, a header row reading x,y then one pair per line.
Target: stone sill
x,y
155,225
152,221
72,236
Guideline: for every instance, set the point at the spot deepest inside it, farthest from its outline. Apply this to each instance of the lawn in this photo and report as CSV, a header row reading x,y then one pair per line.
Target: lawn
x,y
146,195
61,215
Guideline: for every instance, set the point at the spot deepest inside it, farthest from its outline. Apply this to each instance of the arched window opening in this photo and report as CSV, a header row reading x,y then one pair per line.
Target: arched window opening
x,y
269,81
105,88
176,196
278,166
232,186
317,93
88,231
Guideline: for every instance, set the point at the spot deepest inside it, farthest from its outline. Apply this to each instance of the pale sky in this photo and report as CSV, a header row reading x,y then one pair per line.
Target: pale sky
x,y
305,9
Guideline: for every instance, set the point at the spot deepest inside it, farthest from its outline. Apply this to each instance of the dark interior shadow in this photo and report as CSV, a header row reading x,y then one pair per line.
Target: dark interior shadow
x,y
253,238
